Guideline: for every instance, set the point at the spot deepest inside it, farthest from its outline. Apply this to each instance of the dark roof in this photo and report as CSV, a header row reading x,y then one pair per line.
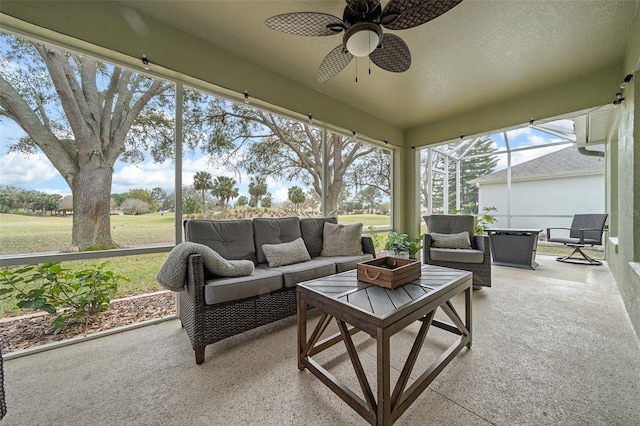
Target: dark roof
x,y
564,162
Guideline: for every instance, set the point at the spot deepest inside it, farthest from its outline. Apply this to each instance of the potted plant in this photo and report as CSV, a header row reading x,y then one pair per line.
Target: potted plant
x,y
400,245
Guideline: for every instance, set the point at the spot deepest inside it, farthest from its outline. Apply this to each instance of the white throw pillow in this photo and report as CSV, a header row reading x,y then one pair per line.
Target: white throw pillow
x,y
460,240
341,240
286,253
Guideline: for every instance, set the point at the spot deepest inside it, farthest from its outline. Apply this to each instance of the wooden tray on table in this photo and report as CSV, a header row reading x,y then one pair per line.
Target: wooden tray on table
x,y
389,272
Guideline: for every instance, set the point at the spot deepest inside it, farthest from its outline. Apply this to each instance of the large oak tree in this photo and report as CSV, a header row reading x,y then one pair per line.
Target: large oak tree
x,y
267,144
83,115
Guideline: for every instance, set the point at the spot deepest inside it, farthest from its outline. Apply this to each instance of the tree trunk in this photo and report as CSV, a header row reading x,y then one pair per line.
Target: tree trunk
x,y
91,207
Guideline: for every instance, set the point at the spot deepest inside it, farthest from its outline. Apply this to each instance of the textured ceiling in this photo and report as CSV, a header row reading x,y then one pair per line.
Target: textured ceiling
x,y
480,52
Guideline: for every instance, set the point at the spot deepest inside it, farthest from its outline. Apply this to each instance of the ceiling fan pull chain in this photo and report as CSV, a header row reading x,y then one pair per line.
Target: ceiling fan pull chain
x,y
356,69
368,56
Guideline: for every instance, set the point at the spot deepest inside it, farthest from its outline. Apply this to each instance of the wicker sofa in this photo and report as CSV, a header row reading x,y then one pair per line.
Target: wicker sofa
x,y
213,308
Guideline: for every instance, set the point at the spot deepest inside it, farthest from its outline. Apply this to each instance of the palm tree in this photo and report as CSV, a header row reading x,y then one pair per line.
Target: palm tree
x,y
257,188
266,200
223,188
296,196
202,182
242,201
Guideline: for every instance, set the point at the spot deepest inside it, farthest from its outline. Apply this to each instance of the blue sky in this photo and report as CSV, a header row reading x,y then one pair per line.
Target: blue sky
x,y
524,137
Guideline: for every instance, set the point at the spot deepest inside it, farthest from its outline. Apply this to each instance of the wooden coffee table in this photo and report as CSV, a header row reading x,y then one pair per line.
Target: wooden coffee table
x,y
380,312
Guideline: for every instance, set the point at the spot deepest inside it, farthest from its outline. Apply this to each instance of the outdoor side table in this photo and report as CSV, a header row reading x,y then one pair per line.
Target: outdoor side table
x,y
381,313
514,247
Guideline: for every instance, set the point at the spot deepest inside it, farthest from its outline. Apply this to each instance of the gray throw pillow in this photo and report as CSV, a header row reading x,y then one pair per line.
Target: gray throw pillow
x,y
460,240
286,253
342,240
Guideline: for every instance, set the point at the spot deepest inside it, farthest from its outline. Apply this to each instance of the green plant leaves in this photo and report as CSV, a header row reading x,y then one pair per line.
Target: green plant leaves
x,y
62,292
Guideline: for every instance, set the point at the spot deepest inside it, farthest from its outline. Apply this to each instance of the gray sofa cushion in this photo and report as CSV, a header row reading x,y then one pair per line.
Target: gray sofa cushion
x,y
232,239
262,281
274,231
342,240
457,255
305,271
346,263
286,253
312,229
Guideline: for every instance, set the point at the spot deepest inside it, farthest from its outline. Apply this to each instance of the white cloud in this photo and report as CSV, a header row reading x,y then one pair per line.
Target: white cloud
x,y
191,166
17,169
280,194
145,176
63,192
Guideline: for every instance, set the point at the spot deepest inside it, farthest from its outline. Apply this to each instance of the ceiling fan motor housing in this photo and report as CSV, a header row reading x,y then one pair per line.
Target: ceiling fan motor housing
x,y
362,38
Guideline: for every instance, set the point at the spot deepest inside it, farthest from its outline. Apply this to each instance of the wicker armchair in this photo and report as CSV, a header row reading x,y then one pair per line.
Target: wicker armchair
x,y
586,230
475,259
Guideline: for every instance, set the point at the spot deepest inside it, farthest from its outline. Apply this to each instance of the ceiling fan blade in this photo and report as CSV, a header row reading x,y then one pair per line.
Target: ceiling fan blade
x,y
403,14
333,63
393,56
306,23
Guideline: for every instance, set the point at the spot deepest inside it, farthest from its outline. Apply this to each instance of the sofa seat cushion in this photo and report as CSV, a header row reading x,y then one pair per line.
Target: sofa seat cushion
x,y
346,263
305,271
220,289
457,255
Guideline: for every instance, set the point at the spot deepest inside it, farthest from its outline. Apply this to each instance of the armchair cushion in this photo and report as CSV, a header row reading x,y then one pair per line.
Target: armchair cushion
x,y
456,255
342,240
451,241
286,253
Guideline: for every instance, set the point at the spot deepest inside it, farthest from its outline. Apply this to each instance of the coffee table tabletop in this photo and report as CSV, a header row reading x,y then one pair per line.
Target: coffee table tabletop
x,y
382,312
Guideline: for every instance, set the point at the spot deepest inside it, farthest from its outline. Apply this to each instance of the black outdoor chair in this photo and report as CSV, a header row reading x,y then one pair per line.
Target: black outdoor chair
x,y
586,230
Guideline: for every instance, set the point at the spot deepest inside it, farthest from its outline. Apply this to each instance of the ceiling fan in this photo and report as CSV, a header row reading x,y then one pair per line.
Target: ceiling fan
x,y
362,23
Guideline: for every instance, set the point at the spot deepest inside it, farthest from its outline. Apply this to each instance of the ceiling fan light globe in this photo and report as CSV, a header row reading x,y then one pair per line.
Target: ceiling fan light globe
x,y
362,43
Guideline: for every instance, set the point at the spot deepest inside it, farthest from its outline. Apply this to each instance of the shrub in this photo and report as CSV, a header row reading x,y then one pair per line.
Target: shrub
x,y
62,292
134,206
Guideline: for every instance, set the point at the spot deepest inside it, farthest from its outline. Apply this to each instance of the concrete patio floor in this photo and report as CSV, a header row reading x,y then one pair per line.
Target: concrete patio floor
x,y
552,346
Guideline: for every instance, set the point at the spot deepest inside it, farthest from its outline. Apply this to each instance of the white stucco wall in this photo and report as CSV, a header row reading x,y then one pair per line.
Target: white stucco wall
x,y
546,202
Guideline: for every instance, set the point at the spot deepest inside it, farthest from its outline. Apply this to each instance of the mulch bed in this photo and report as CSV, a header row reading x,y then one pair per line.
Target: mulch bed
x,y
34,330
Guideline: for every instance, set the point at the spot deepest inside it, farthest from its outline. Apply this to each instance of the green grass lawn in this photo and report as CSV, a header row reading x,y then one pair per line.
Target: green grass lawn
x,y
43,234
367,220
